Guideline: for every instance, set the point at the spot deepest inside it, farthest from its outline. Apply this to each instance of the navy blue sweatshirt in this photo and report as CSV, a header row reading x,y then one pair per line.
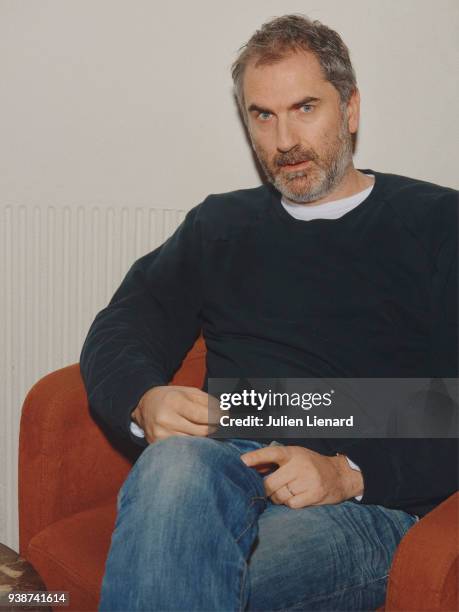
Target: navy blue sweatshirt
x,y
371,294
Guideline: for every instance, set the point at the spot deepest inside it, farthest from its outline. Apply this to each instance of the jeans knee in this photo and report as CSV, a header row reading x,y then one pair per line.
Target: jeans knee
x,y
179,454
180,463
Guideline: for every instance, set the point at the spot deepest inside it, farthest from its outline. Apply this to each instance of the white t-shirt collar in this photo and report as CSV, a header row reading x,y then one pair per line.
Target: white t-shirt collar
x,y
328,210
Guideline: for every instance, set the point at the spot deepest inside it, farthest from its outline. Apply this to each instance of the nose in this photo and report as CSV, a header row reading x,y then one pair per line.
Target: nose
x,y
286,135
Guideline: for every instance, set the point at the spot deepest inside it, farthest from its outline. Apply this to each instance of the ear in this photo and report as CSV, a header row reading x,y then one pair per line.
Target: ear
x,y
353,112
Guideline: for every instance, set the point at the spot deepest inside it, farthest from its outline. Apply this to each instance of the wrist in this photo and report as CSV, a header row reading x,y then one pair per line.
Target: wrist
x,y
352,479
137,413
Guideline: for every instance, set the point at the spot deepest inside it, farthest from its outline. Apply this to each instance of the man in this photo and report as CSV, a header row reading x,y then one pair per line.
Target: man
x,y
334,272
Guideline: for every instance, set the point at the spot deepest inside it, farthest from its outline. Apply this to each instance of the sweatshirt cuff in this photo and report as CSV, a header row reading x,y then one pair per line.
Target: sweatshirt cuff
x,y
115,411
136,430
354,466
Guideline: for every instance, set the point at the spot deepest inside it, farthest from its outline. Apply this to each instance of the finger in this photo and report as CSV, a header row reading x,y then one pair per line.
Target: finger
x,y
263,468
279,478
174,421
214,411
281,496
267,454
302,500
182,425
197,395
194,412
207,412
282,487
202,399
211,402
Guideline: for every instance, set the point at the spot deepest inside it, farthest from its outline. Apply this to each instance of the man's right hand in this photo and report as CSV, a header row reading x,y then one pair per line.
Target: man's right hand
x,y
174,410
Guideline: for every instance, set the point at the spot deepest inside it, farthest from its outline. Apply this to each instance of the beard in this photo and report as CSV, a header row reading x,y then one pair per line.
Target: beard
x,y
321,176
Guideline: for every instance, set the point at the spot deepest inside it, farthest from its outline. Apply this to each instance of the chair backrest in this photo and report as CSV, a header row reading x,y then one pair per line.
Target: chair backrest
x,y
192,371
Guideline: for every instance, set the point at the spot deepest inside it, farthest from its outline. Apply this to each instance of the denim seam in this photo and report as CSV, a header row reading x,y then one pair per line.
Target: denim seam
x,y
255,478
252,502
328,595
244,570
403,528
241,590
253,475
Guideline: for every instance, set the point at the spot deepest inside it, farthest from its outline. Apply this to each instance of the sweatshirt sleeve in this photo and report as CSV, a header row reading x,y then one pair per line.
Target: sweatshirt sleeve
x,y
140,339
418,473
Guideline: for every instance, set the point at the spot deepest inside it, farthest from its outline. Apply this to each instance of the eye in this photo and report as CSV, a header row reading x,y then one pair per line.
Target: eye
x,y
264,116
307,108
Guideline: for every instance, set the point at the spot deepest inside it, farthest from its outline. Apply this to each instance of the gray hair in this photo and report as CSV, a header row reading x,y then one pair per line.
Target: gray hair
x,y
290,33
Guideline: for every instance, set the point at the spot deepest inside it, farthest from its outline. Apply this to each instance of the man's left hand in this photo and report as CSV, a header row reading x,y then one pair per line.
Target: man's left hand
x,y
304,477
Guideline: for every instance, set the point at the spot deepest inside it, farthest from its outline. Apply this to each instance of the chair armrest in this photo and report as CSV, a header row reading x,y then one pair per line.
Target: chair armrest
x,y
66,463
424,573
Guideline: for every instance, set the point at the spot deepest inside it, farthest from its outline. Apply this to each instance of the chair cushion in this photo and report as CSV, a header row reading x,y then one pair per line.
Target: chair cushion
x,y
70,554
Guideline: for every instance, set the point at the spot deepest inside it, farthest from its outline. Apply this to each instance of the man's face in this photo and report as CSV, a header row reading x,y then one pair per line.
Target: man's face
x,y
299,129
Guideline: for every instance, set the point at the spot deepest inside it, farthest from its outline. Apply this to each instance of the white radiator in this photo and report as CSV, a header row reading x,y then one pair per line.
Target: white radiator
x,y
59,266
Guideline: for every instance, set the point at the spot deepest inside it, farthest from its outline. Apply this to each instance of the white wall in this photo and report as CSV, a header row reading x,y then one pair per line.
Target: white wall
x,y
127,103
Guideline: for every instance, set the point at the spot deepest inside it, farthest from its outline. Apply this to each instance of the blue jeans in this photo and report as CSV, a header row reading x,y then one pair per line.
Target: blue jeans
x,y
195,531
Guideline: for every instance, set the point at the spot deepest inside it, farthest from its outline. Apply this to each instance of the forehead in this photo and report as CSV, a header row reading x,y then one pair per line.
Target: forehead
x,y
297,75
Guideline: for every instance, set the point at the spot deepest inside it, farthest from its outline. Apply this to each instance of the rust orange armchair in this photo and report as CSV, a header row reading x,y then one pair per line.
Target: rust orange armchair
x,y
70,474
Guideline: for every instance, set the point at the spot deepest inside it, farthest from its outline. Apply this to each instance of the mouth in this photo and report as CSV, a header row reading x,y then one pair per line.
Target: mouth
x,y
298,166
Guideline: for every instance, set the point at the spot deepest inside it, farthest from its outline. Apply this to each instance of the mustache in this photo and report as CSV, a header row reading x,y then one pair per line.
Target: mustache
x,y
295,156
